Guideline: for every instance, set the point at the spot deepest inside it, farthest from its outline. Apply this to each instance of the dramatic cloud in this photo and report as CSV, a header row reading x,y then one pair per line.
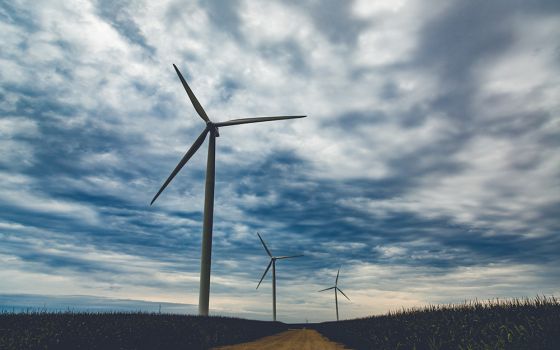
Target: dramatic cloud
x,y
427,167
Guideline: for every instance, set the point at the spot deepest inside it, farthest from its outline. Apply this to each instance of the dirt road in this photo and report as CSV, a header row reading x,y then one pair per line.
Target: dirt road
x,y
301,339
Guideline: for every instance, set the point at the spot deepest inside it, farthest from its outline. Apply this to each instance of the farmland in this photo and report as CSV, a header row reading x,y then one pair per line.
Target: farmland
x,y
509,324
67,330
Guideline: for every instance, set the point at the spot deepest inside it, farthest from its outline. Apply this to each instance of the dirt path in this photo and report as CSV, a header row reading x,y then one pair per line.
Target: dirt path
x,y
300,339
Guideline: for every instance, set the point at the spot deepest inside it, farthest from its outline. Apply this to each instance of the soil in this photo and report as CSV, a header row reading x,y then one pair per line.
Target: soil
x,y
301,339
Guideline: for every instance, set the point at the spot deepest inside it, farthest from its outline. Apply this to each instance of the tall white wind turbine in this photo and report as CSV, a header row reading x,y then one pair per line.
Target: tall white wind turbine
x,y
212,129
335,287
273,263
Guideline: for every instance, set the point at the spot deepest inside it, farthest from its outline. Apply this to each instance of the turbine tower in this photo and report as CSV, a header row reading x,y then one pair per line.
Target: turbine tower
x,y
335,291
212,129
273,263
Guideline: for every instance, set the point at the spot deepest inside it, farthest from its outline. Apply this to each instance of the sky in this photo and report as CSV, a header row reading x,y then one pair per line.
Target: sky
x,y
427,169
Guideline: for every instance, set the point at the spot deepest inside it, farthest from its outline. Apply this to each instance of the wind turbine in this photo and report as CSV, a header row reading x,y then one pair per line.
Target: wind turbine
x,y
212,129
335,291
273,263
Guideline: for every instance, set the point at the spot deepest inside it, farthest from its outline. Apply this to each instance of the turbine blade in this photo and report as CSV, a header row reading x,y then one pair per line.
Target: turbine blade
x,y
264,245
256,120
336,282
264,274
195,146
342,293
322,290
288,257
194,101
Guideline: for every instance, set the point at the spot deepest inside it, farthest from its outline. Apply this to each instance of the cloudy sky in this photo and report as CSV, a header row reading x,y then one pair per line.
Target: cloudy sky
x,y
428,166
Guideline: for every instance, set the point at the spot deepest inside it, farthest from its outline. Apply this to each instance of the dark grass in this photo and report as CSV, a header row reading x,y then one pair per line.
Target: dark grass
x,y
69,330
508,324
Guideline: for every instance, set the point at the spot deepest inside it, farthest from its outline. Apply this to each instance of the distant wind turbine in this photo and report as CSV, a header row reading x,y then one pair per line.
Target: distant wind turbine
x,y
273,263
212,128
335,291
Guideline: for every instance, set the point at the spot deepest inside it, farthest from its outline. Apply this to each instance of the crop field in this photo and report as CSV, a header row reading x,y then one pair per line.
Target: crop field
x,y
512,324
66,330
508,324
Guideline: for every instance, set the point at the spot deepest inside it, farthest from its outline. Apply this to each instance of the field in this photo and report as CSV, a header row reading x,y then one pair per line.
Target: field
x,y
513,324
66,330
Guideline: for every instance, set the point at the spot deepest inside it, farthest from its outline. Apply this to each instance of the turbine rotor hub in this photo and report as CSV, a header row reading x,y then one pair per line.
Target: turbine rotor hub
x,y
212,128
